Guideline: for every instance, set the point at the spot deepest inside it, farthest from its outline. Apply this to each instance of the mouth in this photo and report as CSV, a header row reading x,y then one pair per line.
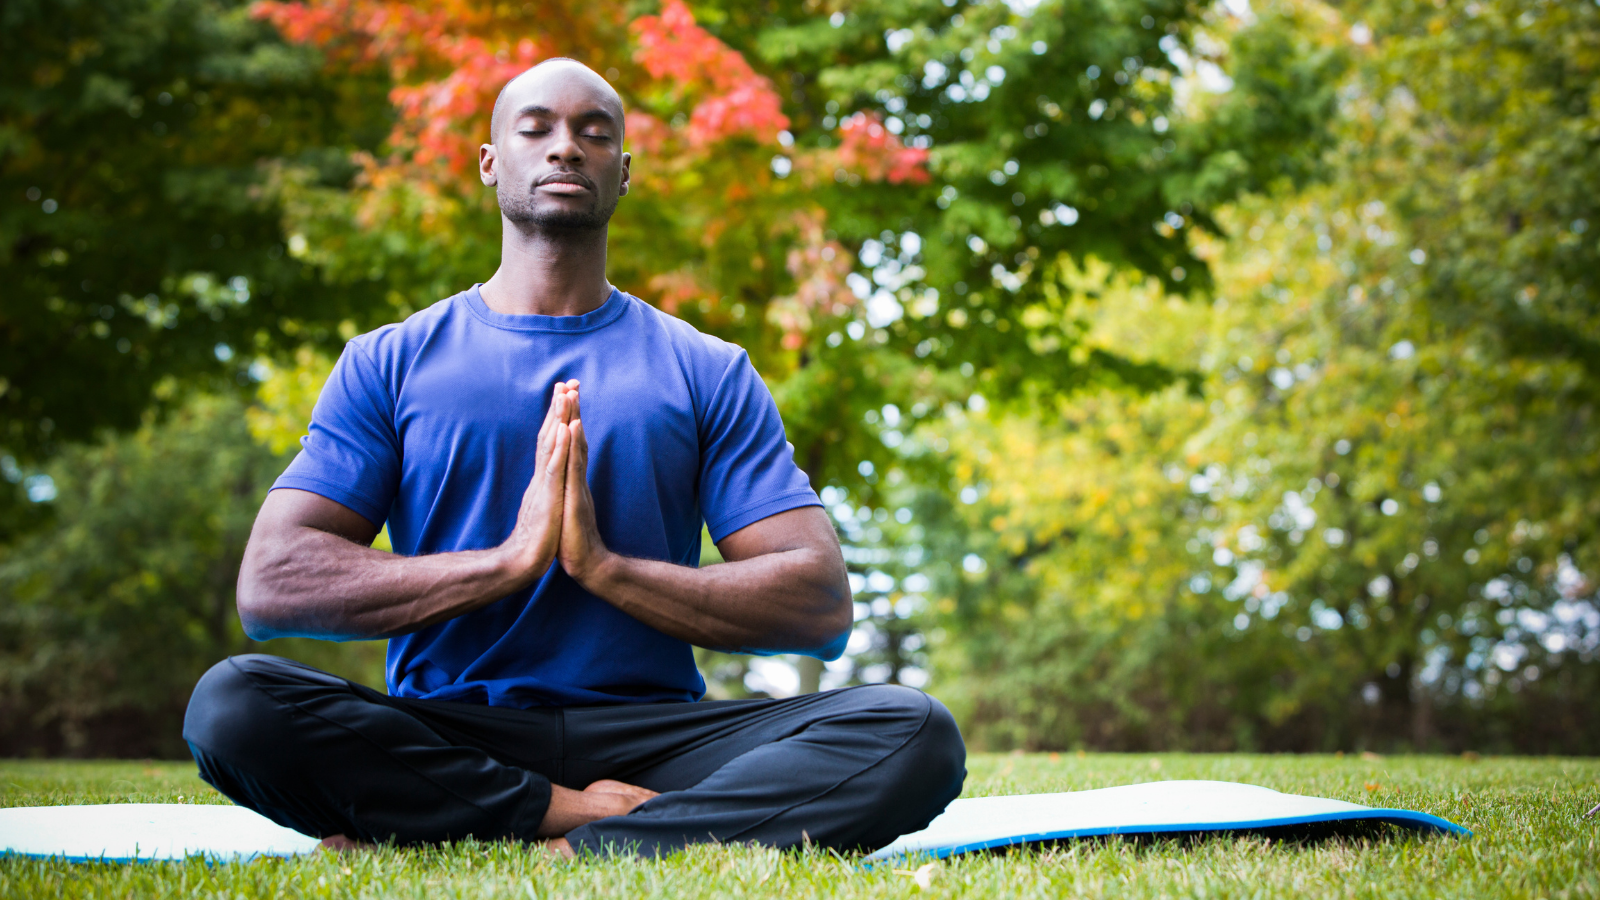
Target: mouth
x,y
568,183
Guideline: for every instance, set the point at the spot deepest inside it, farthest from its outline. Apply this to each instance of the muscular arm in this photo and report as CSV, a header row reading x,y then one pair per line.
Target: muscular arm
x,y
308,570
783,587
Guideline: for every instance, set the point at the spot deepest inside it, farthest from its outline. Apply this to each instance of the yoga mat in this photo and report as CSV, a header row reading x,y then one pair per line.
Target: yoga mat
x,y
148,831
124,832
981,823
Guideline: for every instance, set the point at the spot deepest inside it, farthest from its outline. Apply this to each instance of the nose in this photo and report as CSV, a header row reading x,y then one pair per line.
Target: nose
x,y
564,148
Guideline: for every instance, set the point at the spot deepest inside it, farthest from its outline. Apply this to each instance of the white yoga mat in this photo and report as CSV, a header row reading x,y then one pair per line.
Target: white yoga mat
x,y
124,832
981,823
153,831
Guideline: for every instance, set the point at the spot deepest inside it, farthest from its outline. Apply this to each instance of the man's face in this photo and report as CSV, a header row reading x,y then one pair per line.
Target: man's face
x,y
557,162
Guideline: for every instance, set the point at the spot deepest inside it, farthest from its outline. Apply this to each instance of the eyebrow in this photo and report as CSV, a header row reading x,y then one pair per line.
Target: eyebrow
x,y
594,113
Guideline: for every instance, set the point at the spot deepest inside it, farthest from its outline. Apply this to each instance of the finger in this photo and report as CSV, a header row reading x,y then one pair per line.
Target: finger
x,y
577,456
580,450
550,411
576,406
557,466
547,431
553,416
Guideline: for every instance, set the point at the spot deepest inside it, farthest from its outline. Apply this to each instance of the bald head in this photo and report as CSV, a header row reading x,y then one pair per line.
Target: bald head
x,y
558,72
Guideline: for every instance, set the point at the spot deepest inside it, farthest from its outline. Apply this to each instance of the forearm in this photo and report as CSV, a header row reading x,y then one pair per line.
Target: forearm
x,y
793,600
314,584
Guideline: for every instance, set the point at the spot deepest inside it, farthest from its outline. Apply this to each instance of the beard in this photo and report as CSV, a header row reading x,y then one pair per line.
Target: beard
x,y
521,209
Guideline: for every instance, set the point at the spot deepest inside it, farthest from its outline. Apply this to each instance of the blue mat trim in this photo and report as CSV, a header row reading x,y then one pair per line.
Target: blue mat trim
x,y
1404,817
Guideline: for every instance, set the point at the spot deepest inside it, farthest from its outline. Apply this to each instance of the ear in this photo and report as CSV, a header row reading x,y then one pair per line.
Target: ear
x,y
627,161
486,161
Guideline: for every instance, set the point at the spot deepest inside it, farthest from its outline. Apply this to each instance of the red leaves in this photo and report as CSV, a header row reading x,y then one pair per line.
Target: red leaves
x,y
448,60
711,179
736,100
819,266
444,120
867,148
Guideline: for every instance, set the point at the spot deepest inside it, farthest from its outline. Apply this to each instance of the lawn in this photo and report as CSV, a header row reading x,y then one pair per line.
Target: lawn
x,y
1531,841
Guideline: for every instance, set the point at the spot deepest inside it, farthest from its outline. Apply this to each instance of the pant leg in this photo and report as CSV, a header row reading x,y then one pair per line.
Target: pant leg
x,y
325,756
846,769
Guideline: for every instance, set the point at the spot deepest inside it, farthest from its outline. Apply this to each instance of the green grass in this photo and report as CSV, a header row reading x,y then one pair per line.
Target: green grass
x,y
1531,841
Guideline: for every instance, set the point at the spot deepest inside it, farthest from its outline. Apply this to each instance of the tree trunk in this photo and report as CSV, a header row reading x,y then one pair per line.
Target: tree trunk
x,y
810,669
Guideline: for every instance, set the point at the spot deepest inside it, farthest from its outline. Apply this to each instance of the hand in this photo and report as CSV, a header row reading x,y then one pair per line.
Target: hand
x,y
583,553
535,540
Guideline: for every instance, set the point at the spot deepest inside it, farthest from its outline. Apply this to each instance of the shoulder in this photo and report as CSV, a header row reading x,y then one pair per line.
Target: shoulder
x,y
701,355
392,346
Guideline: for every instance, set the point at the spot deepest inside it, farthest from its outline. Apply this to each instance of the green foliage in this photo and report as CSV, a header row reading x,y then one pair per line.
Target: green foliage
x,y
1379,531
1481,124
1323,553
943,272
1349,503
111,615
1529,841
140,237
1061,128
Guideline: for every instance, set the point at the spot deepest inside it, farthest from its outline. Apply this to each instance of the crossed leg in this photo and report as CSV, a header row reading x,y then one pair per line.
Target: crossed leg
x,y
843,769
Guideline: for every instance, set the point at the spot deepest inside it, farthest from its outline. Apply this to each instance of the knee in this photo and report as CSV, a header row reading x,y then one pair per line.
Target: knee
x,y
934,752
942,752
228,714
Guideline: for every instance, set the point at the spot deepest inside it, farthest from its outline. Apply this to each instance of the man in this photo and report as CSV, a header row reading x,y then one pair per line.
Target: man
x,y
544,594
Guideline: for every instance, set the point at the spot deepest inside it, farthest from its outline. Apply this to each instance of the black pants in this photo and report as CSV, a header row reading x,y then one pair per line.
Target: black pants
x,y
852,768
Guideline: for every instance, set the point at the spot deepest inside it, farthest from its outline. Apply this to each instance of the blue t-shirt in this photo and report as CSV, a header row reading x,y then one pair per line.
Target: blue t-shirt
x,y
431,425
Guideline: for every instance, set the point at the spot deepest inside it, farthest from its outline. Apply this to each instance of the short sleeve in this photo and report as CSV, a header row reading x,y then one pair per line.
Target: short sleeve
x,y
351,453
747,468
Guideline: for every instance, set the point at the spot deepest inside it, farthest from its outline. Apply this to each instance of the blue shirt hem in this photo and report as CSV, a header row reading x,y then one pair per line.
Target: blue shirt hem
x,y
755,512
361,505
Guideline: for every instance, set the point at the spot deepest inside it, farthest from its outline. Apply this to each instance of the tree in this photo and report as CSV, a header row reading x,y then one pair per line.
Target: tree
x,y
858,196
1377,527
141,240
111,615
786,195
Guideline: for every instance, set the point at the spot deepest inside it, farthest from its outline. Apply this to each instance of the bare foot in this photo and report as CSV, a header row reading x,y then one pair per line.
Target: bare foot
x,y
338,843
633,794
571,809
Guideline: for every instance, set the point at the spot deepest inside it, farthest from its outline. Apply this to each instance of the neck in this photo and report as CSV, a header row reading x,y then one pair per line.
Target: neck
x,y
548,273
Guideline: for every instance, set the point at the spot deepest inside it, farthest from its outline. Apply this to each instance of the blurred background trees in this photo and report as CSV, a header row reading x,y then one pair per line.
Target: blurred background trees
x,y
1179,375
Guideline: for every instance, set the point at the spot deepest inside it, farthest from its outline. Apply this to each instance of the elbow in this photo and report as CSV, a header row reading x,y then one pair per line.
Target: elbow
x,y
833,628
257,611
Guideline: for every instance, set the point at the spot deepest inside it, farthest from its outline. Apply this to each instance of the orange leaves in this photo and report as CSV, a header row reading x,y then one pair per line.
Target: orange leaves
x,y
445,119
737,101
676,289
867,148
819,266
325,25
646,132
448,60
